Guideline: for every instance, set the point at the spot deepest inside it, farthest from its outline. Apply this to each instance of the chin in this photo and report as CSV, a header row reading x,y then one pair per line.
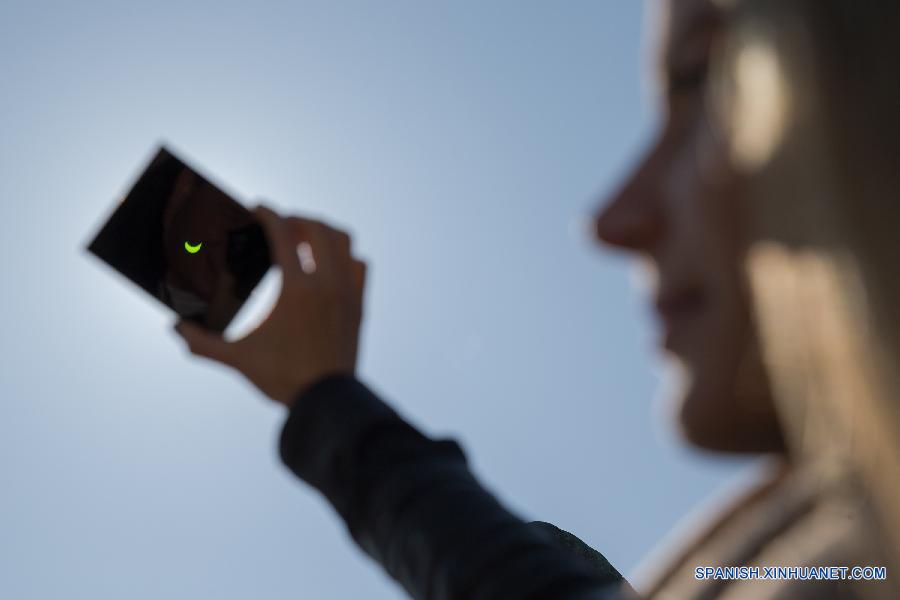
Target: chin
x,y
712,417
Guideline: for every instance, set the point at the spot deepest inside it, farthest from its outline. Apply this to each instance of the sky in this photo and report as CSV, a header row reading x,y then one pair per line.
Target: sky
x,y
463,144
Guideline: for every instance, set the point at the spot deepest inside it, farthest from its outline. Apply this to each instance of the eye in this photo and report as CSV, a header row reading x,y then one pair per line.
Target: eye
x,y
191,248
689,79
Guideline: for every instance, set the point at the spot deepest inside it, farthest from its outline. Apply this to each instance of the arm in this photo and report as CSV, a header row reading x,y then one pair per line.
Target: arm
x,y
410,502
413,505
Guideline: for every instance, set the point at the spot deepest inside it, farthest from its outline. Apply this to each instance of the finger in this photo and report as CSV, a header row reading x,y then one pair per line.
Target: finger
x,y
325,251
205,343
358,274
284,247
341,240
338,238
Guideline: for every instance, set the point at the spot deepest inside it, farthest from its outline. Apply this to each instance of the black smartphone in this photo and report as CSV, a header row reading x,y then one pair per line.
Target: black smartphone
x,y
185,242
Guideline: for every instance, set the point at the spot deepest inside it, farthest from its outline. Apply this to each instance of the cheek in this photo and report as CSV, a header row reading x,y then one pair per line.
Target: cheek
x,y
707,228
719,199
706,209
685,207
722,188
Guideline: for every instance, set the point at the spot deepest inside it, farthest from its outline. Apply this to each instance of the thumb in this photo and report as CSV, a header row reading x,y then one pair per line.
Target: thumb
x,y
204,343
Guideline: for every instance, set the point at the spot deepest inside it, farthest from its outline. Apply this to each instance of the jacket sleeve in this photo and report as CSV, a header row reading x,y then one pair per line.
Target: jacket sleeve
x,y
412,504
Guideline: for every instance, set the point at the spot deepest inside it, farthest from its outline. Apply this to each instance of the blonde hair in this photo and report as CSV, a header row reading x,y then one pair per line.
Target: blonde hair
x,y
807,94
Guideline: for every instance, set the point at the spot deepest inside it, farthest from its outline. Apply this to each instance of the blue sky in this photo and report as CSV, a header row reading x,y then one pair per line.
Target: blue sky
x,y
462,143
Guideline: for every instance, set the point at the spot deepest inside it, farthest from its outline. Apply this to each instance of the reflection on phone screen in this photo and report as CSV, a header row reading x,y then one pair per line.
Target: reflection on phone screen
x,y
185,242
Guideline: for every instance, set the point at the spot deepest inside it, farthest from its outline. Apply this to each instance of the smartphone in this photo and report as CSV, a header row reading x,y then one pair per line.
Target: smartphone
x,y
185,242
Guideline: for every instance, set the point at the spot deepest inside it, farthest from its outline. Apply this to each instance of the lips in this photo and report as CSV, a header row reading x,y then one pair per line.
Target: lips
x,y
678,309
678,303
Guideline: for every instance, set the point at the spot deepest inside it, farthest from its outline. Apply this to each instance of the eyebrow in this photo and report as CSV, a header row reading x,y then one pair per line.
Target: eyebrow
x,y
676,65
709,18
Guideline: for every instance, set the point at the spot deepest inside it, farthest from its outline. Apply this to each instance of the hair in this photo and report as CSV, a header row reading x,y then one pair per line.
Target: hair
x,y
808,94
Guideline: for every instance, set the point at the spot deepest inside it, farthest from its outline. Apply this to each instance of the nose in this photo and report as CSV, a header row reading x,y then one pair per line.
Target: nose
x,y
632,219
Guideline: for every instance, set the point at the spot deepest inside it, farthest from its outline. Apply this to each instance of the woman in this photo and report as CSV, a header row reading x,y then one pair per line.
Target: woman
x,y
411,502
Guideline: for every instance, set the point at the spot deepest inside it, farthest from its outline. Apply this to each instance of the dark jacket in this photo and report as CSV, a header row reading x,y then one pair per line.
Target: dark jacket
x,y
413,505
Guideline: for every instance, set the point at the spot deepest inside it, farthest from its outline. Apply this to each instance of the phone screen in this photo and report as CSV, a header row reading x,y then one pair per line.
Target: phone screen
x,y
185,242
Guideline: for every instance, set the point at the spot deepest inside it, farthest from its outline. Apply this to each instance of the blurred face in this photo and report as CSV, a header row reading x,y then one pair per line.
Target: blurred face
x,y
678,214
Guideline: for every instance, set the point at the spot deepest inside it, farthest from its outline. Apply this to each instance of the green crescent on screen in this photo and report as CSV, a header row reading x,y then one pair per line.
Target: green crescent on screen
x,y
192,249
